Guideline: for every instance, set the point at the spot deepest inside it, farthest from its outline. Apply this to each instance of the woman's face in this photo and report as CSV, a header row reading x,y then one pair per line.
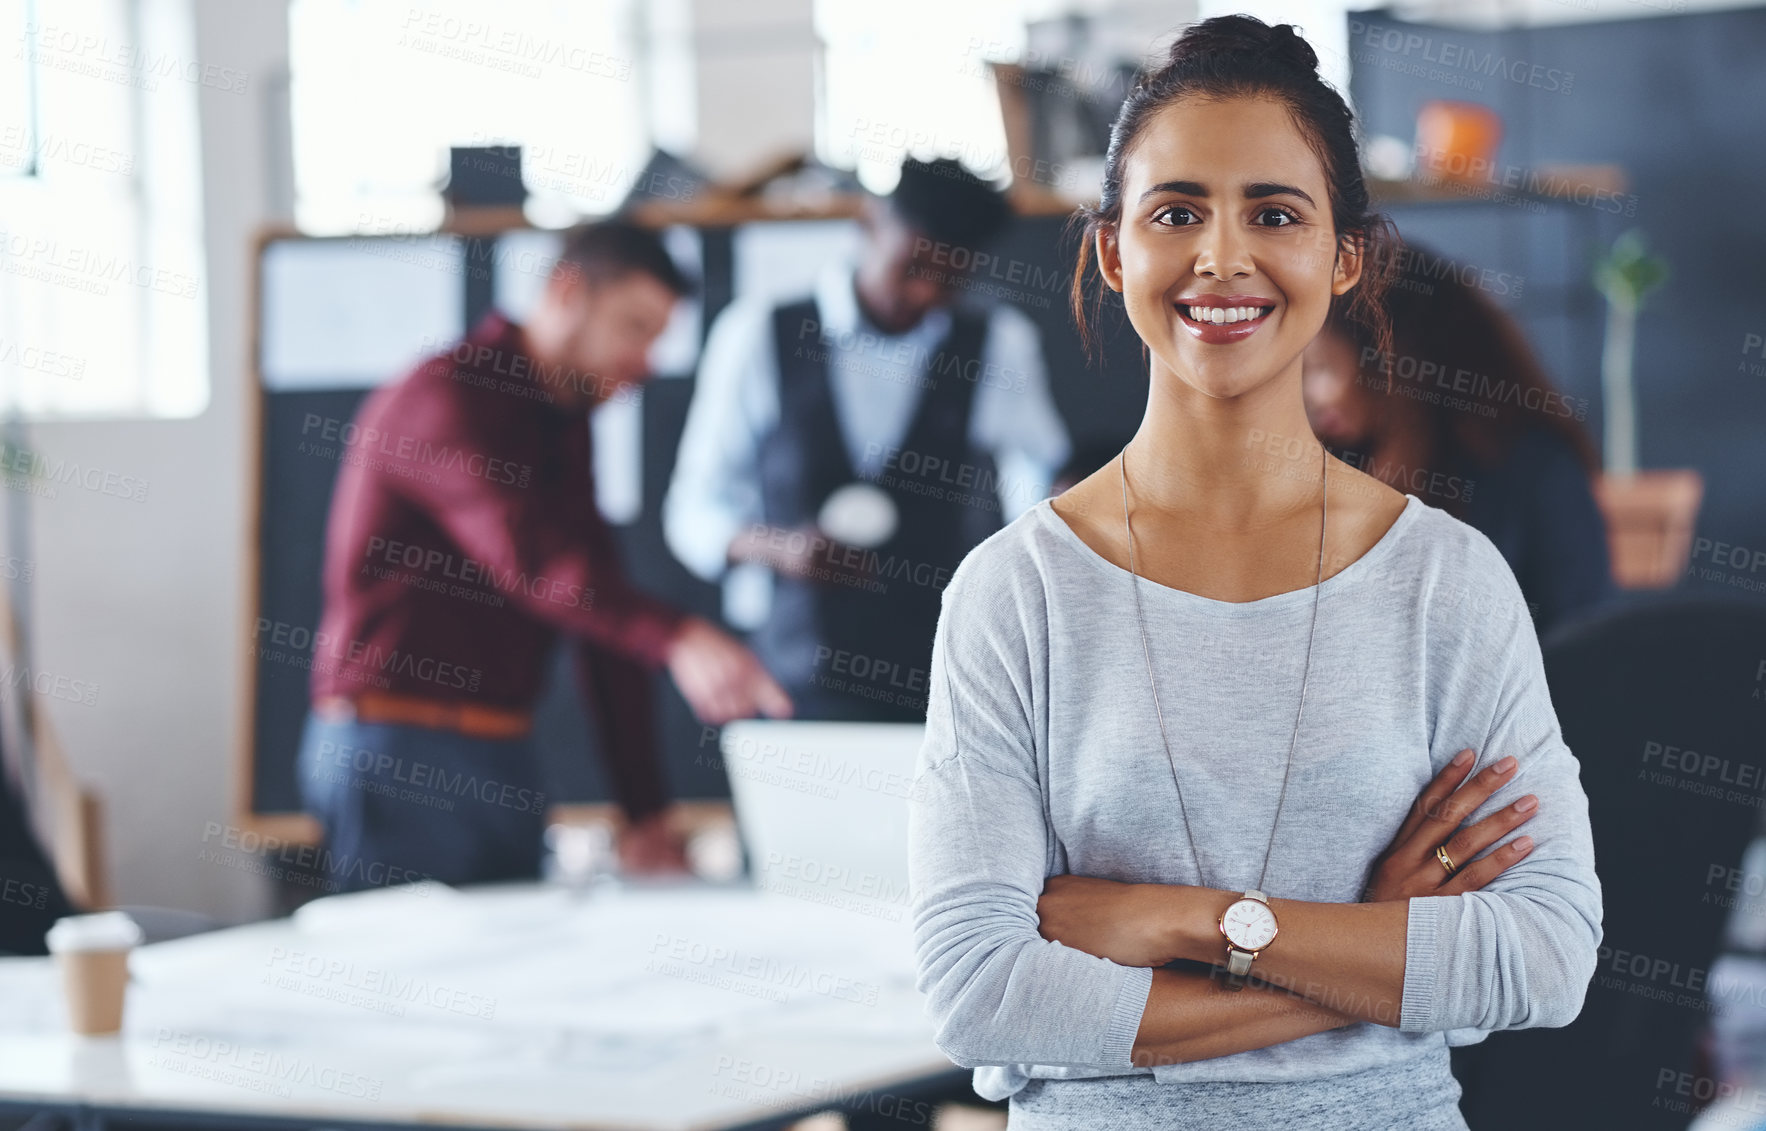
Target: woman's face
x,y
1225,213
1337,402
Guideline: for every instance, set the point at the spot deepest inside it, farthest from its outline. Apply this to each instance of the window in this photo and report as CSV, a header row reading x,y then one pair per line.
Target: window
x,y
912,81
18,103
379,92
101,292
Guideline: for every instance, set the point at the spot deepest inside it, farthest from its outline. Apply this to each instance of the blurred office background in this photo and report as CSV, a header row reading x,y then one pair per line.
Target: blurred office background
x,y
172,135
211,209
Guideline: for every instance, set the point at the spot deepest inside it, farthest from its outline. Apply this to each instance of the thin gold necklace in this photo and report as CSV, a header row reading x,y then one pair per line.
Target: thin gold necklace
x,y
1146,650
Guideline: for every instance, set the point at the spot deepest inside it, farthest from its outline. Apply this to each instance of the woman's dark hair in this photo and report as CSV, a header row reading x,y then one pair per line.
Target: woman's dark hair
x,y
1448,332
1239,56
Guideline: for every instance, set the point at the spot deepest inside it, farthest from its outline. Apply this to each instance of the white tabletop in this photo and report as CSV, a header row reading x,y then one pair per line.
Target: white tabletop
x,y
670,1007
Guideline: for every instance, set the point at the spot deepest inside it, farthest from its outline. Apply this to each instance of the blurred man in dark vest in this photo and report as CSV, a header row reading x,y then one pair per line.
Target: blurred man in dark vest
x,y
844,450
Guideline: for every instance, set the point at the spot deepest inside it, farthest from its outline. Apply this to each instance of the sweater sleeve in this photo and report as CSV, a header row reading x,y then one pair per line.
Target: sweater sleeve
x,y
1520,952
979,854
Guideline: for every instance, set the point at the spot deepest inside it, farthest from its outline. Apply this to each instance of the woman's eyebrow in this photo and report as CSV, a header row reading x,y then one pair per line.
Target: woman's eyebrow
x,y
1256,190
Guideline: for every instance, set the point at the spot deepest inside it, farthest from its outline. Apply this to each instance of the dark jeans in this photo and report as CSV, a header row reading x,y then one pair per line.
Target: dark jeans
x,y
402,803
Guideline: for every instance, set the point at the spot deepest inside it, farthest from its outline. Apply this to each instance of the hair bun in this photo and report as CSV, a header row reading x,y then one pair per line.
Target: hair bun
x,y
1239,34
1286,43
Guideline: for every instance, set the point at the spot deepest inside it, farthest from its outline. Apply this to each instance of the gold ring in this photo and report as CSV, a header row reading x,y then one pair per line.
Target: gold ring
x,y
1446,860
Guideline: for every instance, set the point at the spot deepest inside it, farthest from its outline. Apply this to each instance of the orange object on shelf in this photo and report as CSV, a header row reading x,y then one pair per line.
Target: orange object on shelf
x,y
1456,140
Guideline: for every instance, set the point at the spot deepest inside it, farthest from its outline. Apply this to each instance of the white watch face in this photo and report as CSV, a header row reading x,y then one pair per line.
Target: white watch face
x,y
1249,924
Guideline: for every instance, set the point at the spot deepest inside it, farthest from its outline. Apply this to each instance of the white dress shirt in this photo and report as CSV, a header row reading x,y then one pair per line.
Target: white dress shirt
x,y
875,387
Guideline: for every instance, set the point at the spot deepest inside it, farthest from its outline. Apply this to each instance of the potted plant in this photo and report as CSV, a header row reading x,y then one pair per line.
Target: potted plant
x,y
1649,514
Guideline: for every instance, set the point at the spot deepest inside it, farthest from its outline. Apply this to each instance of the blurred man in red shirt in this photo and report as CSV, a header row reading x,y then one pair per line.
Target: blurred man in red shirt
x,y
463,539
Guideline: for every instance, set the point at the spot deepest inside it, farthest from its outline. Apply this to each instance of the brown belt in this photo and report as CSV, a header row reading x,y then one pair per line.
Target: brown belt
x,y
473,719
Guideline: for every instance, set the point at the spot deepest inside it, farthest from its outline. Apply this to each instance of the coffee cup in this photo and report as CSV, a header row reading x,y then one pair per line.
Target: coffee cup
x,y
92,952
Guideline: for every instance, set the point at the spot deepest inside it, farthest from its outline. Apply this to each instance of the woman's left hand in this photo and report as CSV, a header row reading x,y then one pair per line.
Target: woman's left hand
x,y
1130,924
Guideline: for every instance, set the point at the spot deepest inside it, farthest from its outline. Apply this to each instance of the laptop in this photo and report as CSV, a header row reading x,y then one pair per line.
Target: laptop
x,y
823,809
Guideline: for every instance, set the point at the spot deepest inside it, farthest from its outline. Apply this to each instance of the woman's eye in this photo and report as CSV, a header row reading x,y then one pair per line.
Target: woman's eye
x,y
1287,218
1173,211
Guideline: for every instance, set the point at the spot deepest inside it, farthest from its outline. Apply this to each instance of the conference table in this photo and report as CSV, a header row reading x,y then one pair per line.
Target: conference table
x,y
661,1006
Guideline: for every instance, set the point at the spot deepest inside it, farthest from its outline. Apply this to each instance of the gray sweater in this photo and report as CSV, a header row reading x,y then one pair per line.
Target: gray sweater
x,y
1042,756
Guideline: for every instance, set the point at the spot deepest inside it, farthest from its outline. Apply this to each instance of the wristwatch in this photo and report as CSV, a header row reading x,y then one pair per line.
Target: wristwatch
x,y
1248,924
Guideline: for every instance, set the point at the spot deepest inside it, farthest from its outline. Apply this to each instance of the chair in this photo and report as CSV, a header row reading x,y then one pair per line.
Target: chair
x,y
1634,688
31,895
66,873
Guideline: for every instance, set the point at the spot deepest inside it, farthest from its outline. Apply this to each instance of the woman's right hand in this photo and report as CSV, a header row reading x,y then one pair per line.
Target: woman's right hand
x,y
1409,866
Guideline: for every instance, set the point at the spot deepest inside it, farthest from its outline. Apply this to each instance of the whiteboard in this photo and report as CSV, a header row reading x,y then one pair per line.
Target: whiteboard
x,y
357,312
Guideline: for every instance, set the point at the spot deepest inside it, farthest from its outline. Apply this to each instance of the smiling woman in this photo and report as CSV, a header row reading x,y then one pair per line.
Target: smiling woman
x,y
1332,892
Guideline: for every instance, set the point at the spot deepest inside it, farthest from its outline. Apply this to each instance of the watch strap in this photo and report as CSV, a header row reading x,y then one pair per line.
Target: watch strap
x,y
1238,968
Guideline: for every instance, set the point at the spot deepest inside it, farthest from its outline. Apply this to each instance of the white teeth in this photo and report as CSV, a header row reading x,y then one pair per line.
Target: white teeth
x,y
1223,314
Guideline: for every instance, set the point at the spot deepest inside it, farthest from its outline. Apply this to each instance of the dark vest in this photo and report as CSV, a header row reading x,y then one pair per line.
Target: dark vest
x,y
865,652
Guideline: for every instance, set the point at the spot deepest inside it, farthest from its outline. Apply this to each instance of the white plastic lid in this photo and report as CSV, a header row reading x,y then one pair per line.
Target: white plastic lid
x,y
105,930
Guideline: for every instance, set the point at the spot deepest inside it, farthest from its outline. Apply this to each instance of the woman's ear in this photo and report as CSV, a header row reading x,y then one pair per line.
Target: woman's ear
x,y
1346,272
1109,257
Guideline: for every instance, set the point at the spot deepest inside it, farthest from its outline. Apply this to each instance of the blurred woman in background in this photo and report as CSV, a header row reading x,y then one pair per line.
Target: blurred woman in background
x,y
1461,414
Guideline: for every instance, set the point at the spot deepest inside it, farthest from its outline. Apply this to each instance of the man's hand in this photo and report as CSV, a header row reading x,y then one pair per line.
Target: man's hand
x,y
651,847
720,679
1130,924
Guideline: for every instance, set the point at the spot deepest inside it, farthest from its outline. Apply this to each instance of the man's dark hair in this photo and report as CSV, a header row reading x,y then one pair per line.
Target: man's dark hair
x,y
607,249
949,203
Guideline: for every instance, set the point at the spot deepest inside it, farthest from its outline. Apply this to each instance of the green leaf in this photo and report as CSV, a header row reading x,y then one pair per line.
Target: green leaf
x,y
1627,273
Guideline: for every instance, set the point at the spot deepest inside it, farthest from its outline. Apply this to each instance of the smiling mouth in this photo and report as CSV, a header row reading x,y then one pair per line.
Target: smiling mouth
x,y
1222,315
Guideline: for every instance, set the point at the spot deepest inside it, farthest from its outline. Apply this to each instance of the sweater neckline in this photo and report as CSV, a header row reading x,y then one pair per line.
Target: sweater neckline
x,y
1183,598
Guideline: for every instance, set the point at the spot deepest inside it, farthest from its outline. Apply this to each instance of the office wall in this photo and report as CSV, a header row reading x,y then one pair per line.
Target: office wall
x,y
146,599
753,68
1680,102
